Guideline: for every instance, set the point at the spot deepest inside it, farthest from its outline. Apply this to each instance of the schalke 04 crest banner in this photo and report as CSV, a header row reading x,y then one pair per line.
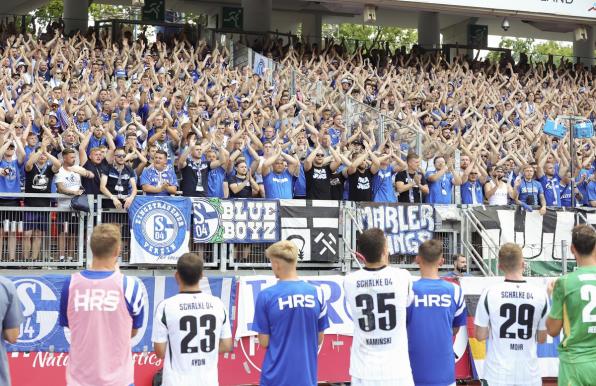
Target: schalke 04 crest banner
x,y
159,229
235,221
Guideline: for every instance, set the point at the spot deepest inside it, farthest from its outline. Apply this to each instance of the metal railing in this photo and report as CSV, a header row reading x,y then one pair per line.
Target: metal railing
x,y
41,236
56,236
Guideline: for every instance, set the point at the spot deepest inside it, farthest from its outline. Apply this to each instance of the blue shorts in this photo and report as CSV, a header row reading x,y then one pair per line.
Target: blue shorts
x,y
36,221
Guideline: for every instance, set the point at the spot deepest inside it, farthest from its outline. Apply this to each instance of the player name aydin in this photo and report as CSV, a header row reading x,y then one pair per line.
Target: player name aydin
x,y
373,283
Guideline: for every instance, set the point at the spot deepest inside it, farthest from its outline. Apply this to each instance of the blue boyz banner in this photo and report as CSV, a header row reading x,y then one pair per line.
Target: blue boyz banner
x,y
40,302
159,229
235,221
406,226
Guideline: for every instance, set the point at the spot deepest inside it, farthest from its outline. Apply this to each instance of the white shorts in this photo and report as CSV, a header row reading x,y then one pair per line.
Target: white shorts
x,y
382,382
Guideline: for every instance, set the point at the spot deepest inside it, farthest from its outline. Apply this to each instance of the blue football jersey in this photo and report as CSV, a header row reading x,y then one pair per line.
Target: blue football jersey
x,y
292,313
437,308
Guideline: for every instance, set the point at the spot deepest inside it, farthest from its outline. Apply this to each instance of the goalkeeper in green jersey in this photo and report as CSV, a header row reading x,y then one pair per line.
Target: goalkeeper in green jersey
x,y
574,311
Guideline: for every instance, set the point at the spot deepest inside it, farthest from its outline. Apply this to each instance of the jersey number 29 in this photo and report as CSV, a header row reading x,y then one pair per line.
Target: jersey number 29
x,y
523,315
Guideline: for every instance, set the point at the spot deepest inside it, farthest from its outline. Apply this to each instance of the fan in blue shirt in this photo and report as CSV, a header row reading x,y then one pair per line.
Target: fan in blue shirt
x,y
529,191
383,181
11,166
441,182
290,318
550,182
472,190
434,317
591,190
277,178
159,179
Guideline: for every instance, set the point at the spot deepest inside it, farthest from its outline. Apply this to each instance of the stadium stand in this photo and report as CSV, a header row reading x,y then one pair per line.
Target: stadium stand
x,y
367,125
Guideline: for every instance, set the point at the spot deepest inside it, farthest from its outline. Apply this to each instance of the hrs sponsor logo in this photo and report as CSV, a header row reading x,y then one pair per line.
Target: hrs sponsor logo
x,y
96,299
296,301
432,300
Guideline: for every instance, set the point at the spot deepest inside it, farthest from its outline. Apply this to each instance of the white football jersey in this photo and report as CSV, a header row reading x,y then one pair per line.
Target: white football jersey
x,y
378,299
191,323
514,311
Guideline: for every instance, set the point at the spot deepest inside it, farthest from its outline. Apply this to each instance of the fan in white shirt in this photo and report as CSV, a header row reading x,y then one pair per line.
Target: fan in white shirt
x,y
378,296
512,315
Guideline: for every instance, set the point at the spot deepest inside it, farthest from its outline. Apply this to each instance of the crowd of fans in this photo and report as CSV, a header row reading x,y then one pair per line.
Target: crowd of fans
x,y
87,115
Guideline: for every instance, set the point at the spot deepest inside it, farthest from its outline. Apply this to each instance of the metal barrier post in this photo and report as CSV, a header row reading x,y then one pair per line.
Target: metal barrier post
x,y
223,257
564,251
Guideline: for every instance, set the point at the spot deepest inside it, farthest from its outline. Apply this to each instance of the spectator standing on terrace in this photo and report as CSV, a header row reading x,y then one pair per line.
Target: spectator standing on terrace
x,y
411,183
318,171
159,179
68,181
10,172
195,169
360,174
441,182
39,173
277,177
529,191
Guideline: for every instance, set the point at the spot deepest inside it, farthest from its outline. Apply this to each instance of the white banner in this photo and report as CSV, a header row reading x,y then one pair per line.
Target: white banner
x,y
340,321
260,63
576,8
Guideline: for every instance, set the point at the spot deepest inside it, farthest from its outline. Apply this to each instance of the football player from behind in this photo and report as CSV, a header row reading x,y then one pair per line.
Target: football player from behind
x,y
378,296
512,316
434,317
190,329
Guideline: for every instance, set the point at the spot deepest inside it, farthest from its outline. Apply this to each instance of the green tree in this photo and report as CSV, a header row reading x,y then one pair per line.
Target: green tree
x,y
51,11
371,35
54,8
543,50
517,46
536,52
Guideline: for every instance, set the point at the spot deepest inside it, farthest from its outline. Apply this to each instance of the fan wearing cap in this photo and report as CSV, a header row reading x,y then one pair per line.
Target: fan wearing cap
x,y
373,292
290,318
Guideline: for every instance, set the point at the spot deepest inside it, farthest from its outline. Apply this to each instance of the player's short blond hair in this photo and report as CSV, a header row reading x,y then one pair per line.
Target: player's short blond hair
x,y
105,240
284,250
510,257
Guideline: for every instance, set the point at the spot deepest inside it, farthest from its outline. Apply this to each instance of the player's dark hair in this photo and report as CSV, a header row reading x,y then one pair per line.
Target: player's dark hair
x,y
371,244
190,268
583,238
163,152
431,251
